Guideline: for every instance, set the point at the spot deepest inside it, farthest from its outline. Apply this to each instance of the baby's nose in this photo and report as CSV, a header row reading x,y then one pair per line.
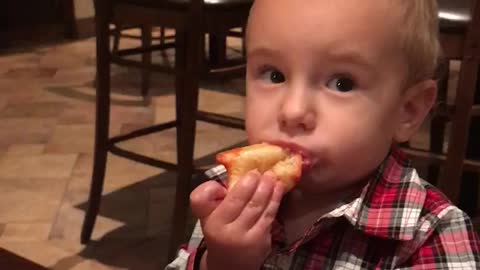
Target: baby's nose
x,y
296,115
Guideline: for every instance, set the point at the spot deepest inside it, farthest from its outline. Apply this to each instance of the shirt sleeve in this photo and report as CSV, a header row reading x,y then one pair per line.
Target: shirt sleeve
x,y
454,244
188,257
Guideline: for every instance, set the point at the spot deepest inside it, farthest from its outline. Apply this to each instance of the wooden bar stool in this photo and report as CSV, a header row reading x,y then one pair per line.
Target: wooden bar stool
x,y
191,20
215,66
460,40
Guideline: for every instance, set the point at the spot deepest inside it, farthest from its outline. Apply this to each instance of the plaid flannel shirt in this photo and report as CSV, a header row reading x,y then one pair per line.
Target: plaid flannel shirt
x,y
398,221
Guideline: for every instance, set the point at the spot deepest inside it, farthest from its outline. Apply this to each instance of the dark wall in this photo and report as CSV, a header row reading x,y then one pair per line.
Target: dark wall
x,y
23,21
20,13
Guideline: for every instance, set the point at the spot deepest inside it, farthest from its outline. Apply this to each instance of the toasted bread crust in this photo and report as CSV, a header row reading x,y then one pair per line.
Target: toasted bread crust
x,y
285,165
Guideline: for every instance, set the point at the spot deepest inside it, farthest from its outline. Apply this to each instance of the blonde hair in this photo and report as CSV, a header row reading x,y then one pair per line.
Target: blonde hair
x,y
420,38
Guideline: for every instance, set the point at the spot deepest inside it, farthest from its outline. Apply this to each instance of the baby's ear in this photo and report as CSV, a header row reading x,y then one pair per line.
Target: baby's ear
x,y
415,105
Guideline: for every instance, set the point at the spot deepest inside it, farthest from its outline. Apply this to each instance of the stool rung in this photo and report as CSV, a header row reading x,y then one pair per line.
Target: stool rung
x,y
149,160
139,50
142,158
142,132
429,158
219,119
132,63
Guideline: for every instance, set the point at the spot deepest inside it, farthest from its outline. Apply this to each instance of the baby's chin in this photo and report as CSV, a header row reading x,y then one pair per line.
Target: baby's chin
x,y
321,181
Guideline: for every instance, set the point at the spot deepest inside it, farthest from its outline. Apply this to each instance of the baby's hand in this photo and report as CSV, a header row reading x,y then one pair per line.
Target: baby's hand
x,y
236,225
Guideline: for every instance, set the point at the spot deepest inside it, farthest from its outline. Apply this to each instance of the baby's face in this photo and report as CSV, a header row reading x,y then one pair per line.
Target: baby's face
x,y
326,75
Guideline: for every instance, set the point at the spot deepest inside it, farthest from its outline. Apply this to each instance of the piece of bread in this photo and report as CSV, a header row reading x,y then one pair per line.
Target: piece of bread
x,y
286,165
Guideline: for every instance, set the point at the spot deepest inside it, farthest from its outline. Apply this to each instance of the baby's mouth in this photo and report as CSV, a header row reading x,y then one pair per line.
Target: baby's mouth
x,y
308,160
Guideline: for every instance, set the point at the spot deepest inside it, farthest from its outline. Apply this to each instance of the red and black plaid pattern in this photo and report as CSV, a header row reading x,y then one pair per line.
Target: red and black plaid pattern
x,y
398,221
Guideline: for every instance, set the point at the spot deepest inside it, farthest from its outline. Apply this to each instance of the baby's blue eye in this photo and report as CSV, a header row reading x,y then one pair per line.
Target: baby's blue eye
x,y
341,83
273,76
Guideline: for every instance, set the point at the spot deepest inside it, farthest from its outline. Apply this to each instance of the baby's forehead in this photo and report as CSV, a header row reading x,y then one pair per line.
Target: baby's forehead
x,y
366,26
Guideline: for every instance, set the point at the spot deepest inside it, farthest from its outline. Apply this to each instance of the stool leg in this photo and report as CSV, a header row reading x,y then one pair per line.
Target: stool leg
x,y
101,122
162,35
188,100
146,58
180,65
117,32
437,128
217,49
449,181
244,43
469,195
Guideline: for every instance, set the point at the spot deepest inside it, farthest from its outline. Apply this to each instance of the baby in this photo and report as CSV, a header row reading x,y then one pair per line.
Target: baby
x,y
344,81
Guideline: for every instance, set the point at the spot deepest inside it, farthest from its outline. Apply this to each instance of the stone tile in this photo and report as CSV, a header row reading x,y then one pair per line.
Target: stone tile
x,y
26,231
68,94
25,131
46,144
33,110
113,220
25,149
24,200
68,139
73,76
222,103
209,140
83,167
20,60
71,246
164,114
160,217
62,59
82,113
142,145
53,166
77,263
31,72
3,150
49,255
113,206
122,173
3,104
68,225
136,115
145,254
31,91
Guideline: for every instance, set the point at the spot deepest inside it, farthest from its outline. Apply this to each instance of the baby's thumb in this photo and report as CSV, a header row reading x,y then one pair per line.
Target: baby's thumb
x,y
206,197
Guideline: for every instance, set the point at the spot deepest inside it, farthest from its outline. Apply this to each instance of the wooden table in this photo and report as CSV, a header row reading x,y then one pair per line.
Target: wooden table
x,y
9,260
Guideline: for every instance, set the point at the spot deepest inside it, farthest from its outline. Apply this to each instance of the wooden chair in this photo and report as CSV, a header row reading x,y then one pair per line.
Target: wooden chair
x,y
215,66
460,39
191,20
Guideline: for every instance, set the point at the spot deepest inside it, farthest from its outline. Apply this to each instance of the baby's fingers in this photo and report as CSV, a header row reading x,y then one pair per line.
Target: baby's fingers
x,y
237,198
264,223
258,203
206,197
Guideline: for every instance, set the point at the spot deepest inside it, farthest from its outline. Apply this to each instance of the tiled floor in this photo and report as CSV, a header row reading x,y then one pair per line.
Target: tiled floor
x,y
46,144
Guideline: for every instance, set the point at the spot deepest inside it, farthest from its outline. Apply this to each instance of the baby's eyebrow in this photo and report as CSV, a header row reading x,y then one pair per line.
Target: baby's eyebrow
x,y
262,51
350,57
